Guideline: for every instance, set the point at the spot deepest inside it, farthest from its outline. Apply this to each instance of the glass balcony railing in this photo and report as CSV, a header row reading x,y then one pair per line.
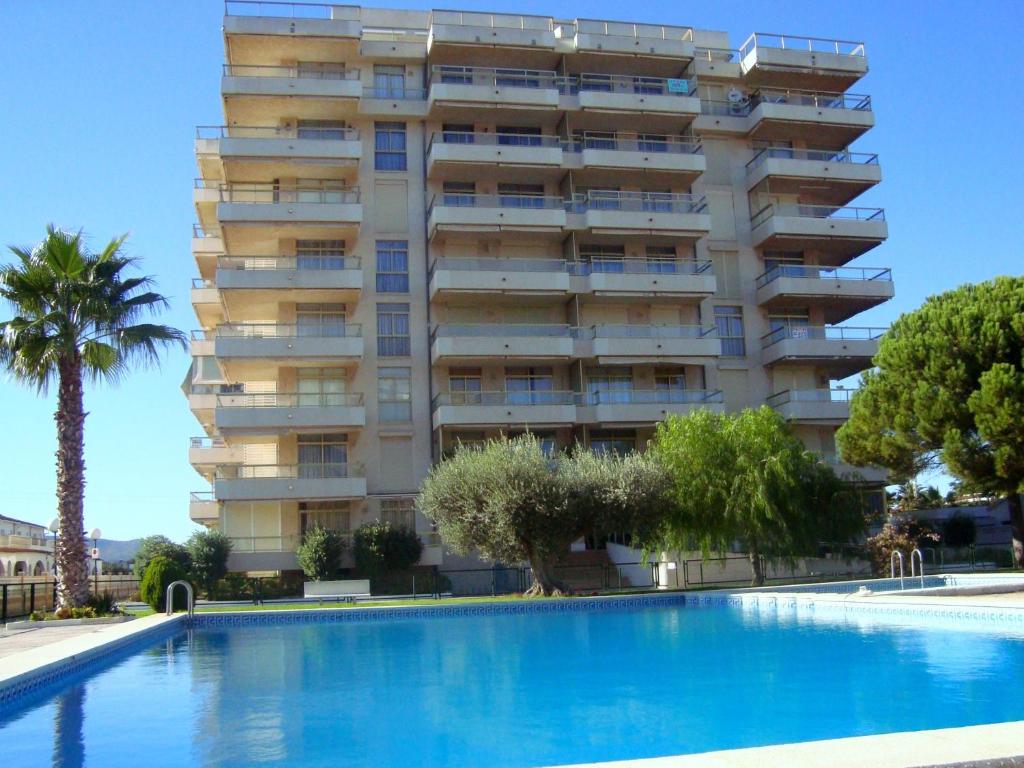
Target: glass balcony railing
x,y
810,396
629,29
505,398
819,99
799,210
283,10
646,202
284,330
843,156
666,396
629,266
287,263
655,146
252,544
275,132
593,397
821,332
651,332
499,330
472,200
717,55
203,282
494,139
284,471
325,193
799,43
803,272
199,232
198,497
206,442
314,71
545,79
499,265
291,400
603,331
493,20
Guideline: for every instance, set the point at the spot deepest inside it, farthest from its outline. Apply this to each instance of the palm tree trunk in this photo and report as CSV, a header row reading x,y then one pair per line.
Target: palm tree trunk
x,y
72,569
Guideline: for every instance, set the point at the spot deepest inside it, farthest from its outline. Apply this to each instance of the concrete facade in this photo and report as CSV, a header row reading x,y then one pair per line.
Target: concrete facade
x,y
419,228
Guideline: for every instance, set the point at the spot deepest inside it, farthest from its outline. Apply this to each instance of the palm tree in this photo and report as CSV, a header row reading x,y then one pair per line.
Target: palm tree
x,y
75,315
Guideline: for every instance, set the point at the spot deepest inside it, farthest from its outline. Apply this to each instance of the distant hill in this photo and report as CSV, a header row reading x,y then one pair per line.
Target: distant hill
x,y
113,551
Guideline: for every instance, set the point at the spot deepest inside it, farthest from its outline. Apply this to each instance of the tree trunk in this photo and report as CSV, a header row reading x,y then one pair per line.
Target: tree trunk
x,y
72,568
1017,528
544,582
757,568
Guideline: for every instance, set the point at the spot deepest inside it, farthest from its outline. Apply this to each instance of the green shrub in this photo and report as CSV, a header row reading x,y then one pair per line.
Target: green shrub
x,y
320,553
160,573
160,546
209,552
103,605
380,547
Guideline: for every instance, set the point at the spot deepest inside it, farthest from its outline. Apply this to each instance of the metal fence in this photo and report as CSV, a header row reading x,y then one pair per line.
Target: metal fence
x,y
19,598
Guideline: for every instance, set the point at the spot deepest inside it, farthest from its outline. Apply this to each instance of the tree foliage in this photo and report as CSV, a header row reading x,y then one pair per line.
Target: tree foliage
x,y
949,388
899,534
320,553
379,547
209,552
160,546
513,502
959,530
160,573
745,478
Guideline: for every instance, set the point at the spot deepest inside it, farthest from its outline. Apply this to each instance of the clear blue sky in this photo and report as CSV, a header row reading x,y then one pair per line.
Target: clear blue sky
x,y
101,100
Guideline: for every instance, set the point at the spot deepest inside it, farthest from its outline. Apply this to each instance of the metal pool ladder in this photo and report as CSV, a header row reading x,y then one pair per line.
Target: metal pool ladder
x,y
892,567
190,597
920,562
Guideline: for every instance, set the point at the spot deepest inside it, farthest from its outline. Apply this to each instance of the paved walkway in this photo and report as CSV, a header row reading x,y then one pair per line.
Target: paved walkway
x,y
18,640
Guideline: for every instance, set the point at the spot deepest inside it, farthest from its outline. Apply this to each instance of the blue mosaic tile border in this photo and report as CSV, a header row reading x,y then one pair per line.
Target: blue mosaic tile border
x,y
405,613
34,684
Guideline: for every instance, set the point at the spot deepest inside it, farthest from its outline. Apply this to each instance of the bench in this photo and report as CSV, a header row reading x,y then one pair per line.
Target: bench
x,y
345,590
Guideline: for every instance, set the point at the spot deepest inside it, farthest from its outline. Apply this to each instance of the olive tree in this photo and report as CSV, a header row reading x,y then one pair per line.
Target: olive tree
x,y
209,552
513,502
744,478
948,390
320,553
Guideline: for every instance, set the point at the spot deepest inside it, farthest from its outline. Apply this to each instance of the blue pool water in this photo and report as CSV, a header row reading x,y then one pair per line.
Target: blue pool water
x,y
518,690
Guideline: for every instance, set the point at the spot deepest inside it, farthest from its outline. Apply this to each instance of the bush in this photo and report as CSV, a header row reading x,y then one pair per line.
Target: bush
x,y
380,547
160,546
320,553
160,573
900,534
959,531
209,552
103,605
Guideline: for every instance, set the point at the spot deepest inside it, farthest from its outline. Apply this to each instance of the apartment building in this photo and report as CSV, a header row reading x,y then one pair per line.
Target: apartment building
x,y
423,228
25,549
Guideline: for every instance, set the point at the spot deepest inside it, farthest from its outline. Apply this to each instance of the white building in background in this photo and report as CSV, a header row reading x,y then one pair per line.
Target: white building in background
x,y
25,549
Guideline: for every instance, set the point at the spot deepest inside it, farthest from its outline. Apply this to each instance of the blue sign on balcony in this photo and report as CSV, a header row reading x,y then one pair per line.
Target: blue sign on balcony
x,y
678,86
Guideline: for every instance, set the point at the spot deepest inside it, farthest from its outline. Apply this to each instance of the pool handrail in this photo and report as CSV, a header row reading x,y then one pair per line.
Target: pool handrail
x,y
189,597
920,559
892,566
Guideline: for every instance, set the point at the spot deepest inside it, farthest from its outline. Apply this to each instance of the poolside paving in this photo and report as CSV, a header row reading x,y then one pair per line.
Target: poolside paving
x,y
18,640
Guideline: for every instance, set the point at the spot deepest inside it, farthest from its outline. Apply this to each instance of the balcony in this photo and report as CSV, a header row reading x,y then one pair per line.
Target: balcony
x,y
603,160
257,93
669,104
610,212
243,282
680,278
452,33
643,407
510,157
273,151
394,43
826,176
209,451
684,344
480,409
314,203
275,413
202,398
813,406
860,475
249,17
393,101
206,302
841,350
529,277
253,351
841,292
203,508
839,234
501,341
496,213
802,62
255,482
458,92
206,242
600,38
829,119
26,543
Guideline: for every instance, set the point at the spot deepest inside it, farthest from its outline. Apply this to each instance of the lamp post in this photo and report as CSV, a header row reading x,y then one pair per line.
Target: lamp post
x,y
95,536
55,529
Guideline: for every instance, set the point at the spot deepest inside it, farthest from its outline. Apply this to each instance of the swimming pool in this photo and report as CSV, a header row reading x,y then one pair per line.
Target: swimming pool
x,y
513,686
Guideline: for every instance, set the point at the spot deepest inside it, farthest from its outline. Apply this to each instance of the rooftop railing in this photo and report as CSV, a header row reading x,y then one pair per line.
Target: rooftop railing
x,y
206,442
494,20
631,29
275,132
320,72
810,396
325,329
647,202
816,155
806,272
847,212
820,99
819,332
284,471
665,396
285,10
800,43
287,263
291,400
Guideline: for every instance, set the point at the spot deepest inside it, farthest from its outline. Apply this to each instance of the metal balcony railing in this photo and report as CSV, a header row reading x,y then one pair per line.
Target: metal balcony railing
x,y
472,200
498,265
275,132
394,93
15,541
290,400
325,329
646,202
819,332
650,396
640,266
820,99
800,43
287,263
799,210
652,332
803,272
493,139
323,193
201,496
844,156
199,232
810,396
668,146
395,35
499,330
203,282
630,29
206,442
285,10
546,79
251,544
322,71
284,471
505,398
493,20
717,55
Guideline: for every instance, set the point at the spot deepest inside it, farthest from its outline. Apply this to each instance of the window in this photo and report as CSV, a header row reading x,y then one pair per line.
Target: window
x,y
604,258
610,385
789,325
617,441
529,386
457,133
399,513
521,195
670,384
323,456
393,330
516,136
389,147
389,81
464,386
321,129
456,75
320,254
392,266
332,515
319,319
460,193
729,321
321,387
394,394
